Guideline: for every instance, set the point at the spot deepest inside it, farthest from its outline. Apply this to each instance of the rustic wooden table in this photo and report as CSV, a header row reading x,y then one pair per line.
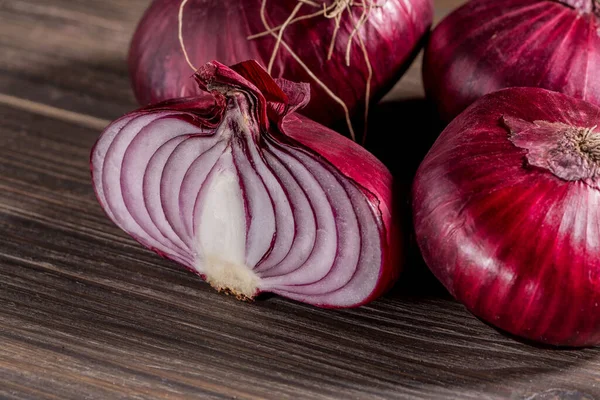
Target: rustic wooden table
x,y
86,313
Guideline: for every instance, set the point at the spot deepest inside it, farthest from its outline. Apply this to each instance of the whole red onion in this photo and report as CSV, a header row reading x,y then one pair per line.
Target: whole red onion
x,y
219,29
249,195
507,214
487,45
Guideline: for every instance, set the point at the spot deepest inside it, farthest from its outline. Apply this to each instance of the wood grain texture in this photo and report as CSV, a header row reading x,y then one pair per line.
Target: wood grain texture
x,y
86,313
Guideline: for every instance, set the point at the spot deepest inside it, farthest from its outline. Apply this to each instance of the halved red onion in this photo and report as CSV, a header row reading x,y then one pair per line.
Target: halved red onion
x,y
249,195
507,214
487,45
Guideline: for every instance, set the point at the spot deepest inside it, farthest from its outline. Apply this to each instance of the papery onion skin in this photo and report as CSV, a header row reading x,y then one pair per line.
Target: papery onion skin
x,y
487,45
218,30
518,245
248,113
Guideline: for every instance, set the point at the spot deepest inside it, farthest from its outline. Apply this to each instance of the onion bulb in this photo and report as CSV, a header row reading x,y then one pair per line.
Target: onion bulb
x,y
239,189
352,50
488,45
506,207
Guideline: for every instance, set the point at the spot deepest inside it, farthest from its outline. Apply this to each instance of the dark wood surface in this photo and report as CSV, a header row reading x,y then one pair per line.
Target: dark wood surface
x,y
86,313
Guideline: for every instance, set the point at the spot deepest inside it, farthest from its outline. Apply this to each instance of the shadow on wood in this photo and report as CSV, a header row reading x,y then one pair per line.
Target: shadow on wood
x,y
400,134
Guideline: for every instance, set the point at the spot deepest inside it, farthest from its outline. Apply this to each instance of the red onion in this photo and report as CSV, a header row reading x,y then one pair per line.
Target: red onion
x,y
389,31
249,195
487,45
506,209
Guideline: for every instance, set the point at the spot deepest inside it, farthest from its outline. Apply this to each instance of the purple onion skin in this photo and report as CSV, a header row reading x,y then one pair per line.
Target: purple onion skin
x,y
487,45
271,126
507,215
217,30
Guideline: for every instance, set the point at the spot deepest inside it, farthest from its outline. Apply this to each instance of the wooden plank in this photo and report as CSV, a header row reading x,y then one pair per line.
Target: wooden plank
x,y
69,54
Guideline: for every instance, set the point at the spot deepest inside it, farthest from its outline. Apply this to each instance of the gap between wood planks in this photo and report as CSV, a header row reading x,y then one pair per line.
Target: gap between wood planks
x,y
54,112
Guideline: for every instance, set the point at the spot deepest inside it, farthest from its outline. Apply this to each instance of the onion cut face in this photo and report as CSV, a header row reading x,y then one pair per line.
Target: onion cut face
x,y
391,31
507,214
487,45
247,194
